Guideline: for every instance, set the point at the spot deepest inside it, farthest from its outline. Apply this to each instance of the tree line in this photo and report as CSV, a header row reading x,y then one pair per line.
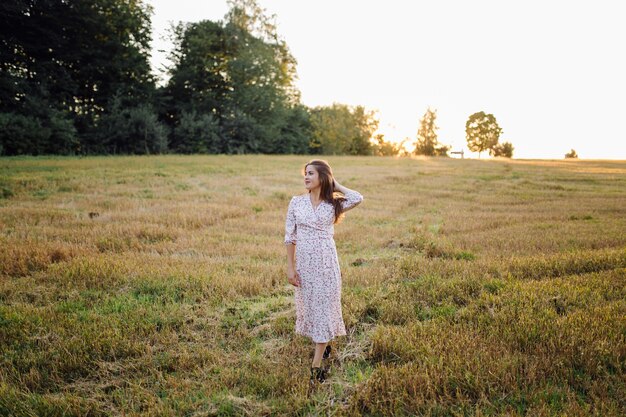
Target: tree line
x,y
75,79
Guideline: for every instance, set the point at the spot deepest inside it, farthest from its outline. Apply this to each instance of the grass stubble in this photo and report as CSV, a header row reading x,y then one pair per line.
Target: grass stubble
x,y
156,286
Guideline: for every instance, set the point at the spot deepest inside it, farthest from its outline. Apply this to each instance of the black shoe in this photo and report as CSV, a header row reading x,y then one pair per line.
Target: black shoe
x,y
318,374
327,352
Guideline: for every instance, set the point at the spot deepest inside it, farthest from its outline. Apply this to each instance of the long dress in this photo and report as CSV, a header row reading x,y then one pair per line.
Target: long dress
x,y
318,299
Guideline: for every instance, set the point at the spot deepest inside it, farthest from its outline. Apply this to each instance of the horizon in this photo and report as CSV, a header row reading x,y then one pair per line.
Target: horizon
x,y
556,88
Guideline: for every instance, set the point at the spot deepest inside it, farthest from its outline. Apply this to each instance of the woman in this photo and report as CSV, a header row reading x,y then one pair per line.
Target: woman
x,y
312,264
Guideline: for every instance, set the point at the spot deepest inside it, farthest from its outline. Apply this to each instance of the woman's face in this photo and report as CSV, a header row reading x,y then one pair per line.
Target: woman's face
x,y
311,178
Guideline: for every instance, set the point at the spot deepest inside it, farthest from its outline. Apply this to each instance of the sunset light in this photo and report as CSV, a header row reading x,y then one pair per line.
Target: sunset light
x,y
548,71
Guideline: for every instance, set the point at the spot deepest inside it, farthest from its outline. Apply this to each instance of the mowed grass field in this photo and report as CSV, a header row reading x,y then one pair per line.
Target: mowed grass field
x,y
157,286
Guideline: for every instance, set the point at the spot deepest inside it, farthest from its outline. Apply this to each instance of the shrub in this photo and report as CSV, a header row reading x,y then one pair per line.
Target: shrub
x,y
133,130
502,149
50,133
196,133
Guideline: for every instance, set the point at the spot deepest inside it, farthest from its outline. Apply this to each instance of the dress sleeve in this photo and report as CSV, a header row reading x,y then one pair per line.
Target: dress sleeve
x,y
290,224
353,198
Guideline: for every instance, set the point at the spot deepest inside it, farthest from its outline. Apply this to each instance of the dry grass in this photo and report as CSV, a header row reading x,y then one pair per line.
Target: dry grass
x,y
155,286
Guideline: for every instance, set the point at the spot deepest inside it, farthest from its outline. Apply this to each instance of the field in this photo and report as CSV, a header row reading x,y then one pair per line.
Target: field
x,y
157,286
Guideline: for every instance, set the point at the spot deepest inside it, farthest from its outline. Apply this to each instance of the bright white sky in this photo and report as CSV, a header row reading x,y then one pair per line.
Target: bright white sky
x,y
552,72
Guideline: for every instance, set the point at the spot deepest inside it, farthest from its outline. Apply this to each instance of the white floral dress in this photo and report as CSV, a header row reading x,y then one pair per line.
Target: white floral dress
x,y
318,299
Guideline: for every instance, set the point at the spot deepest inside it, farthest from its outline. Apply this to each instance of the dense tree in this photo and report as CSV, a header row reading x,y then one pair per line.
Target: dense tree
x,y
296,132
333,128
571,154
482,132
504,149
199,78
427,143
129,130
268,52
43,131
62,62
340,129
241,74
196,133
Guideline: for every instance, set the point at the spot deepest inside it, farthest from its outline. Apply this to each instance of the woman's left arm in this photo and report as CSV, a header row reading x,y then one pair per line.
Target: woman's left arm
x,y
353,198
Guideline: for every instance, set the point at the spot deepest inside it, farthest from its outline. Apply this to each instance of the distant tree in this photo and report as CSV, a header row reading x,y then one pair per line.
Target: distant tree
x,y
366,123
427,143
427,134
482,132
341,129
571,154
332,129
504,149
382,147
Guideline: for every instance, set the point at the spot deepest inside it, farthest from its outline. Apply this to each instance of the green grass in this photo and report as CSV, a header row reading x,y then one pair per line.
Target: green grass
x,y
156,286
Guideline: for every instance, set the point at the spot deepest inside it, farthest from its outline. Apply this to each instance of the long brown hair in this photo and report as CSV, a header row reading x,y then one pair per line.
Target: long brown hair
x,y
327,188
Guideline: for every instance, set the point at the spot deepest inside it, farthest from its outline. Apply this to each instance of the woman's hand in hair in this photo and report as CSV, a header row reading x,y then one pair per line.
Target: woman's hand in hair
x,y
339,187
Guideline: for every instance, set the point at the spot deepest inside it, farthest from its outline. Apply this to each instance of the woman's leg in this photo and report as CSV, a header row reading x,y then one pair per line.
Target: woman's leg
x,y
319,352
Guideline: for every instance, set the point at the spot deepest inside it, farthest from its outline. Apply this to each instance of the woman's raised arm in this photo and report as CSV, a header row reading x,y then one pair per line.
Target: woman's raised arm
x,y
353,198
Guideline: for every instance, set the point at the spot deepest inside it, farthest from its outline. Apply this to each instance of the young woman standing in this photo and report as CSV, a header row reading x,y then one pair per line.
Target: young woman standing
x,y
312,263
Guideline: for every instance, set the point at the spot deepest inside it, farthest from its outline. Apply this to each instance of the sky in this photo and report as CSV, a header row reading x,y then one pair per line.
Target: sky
x,y
552,72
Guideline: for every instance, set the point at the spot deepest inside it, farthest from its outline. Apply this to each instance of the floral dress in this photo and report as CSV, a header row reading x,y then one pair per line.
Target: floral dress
x,y
318,299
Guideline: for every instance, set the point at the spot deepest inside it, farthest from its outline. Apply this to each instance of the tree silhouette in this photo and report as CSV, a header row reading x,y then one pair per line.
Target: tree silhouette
x,y
482,132
427,143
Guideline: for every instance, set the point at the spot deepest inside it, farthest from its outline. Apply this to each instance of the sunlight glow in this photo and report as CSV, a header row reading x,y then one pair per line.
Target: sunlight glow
x,y
548,71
